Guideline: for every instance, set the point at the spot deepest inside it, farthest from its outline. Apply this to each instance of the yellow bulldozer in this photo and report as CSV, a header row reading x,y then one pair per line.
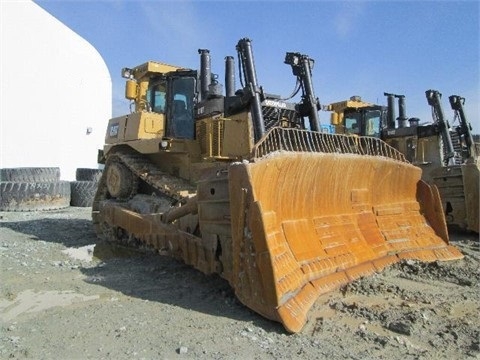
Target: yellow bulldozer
x,y
246,186
447,155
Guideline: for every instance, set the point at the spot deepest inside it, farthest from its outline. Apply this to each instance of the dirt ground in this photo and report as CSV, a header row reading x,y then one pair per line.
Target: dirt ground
x,y
62,297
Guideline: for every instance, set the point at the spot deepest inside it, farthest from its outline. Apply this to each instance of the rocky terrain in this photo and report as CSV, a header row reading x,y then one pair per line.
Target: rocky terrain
x,y
63,297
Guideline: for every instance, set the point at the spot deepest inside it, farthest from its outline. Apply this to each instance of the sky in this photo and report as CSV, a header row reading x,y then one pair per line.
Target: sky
x,y
362,48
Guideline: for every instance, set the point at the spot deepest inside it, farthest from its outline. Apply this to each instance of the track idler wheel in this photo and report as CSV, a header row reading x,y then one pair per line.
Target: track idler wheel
x,y
121,182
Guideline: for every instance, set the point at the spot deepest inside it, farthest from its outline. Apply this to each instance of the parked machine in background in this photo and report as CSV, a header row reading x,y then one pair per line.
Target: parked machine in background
x,y
448,156
236,185
458,177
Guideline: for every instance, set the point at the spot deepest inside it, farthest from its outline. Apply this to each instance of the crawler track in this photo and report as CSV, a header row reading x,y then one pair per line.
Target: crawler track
x,y
173,188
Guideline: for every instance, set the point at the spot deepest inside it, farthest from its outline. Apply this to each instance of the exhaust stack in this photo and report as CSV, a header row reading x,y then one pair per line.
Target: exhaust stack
x,y
229,76
402,112
205,72
390,110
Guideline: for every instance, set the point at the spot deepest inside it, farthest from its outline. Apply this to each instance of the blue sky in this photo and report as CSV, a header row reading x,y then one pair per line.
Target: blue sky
x,y
360,47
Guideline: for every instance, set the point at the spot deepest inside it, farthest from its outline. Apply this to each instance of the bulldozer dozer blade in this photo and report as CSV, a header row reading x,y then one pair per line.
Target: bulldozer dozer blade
x,y
306,223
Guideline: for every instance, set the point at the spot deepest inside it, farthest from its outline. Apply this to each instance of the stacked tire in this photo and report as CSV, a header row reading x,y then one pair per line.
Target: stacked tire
x,y
84,188
33,189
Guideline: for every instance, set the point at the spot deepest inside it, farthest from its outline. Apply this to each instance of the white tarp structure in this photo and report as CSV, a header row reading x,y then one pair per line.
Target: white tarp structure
x,y
55,95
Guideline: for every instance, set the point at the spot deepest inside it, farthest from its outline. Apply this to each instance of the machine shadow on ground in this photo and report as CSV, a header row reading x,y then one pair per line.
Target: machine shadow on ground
x,y
152,277
147,276
68,232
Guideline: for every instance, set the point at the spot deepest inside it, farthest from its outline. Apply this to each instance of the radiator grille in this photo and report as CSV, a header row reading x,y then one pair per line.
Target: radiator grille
x,y
209,134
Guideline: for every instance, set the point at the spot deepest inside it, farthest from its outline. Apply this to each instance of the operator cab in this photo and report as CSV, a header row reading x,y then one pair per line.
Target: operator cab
x,y
364,121
174,96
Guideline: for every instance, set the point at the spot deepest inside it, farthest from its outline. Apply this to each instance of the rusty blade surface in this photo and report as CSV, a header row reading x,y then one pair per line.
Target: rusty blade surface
x,y
306,223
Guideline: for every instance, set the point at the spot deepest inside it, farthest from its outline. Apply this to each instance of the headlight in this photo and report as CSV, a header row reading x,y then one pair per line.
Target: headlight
x,y
164,144
127,73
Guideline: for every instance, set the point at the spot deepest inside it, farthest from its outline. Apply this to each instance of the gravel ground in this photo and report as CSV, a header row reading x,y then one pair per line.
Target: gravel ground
x,y
62,297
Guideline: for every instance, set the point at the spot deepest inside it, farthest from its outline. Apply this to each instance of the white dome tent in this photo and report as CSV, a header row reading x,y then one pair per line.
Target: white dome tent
x,y
55,97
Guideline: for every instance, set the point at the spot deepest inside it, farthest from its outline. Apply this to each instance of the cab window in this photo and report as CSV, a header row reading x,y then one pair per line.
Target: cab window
x,y
352,124
156,96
